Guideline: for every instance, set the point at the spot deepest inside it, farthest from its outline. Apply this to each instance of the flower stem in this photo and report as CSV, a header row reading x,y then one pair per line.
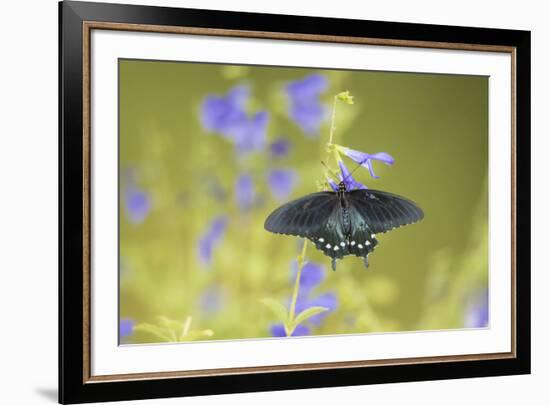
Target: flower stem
x,y
333,121
331,151
186,327
301,261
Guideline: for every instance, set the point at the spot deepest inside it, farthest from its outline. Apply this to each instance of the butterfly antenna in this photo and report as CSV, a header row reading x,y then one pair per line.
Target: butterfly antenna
x,y
353,171
333,174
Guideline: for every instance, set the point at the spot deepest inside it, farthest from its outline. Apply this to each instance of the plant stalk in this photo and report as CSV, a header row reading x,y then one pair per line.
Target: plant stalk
x,y
301,260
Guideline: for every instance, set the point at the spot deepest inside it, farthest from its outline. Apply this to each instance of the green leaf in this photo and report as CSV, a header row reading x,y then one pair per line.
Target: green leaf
x,y
197,334
345,97
276,307
162,334
307,313
169,323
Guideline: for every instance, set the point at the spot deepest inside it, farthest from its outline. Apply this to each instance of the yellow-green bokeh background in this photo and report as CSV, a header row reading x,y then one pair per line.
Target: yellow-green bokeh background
x,y
422,276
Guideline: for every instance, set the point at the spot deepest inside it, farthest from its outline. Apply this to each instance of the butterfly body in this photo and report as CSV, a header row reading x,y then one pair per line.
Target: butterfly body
x,y
342,222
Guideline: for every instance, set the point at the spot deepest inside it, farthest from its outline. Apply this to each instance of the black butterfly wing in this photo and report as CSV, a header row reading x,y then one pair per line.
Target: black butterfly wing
x,y
316,217
382,211
362,239
331,238
374,211
339,231
302,217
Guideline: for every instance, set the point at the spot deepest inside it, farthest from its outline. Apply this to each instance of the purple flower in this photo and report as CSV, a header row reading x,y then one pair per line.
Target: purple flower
x,y
245,194
138,204
305,108
477,313
211,238
223,113
365,159
279,148
281,182
226,115
349,181
126,328
212,299
278,330
250,133
327,300
312,275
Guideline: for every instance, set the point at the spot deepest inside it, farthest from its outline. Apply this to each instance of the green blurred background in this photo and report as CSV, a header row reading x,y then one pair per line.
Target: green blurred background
x,y
175,178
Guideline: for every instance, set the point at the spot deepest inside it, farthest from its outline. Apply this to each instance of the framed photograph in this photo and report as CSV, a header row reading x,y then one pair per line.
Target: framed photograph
x,y
255,202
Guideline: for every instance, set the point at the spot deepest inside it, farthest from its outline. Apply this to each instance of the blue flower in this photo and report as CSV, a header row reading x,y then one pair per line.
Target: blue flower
x,y
279,148
222,114
226,115
349,181
365,159
250,133
477,313
327,300
281,182
245,194
305,108
278,330
138,204
211,238
312,275
212,299
126,328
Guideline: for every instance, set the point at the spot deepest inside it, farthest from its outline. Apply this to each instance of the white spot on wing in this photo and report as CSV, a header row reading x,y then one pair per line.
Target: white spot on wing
x,y
352,243
372,235
336,248
328,246
367,243
360,246
342,244
321,240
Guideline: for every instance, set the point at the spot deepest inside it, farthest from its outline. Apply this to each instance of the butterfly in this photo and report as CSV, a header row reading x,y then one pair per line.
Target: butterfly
x,y
343,222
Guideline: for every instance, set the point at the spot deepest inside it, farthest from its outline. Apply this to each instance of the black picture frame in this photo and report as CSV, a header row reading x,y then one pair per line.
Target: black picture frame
x,y
74,386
